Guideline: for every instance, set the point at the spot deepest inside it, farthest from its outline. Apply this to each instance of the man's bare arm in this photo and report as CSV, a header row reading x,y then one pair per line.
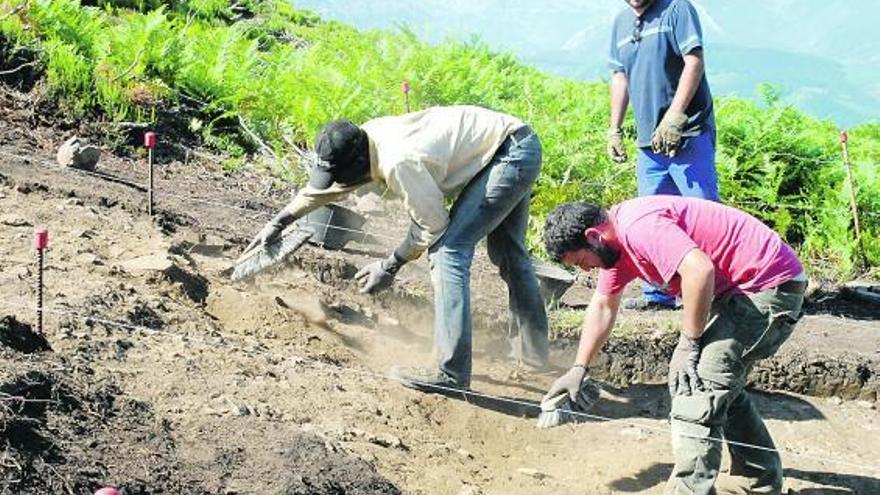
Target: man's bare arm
x,y
689,81
619,98
697,291
598,322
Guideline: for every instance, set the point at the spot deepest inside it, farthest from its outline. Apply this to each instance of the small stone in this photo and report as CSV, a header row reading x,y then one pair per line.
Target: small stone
x,y
82,234
836,401
465,454
866,404
533,473
86,259
151,263
387,441
633,431
387,321
467,489
13,220
77,153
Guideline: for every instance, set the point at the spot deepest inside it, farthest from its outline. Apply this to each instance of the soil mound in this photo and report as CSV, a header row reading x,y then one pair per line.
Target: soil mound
x,y
21,337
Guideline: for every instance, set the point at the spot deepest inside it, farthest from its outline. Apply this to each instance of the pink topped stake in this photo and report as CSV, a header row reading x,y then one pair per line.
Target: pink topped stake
x,y
41,239
150,139
405,87
108,491
844,137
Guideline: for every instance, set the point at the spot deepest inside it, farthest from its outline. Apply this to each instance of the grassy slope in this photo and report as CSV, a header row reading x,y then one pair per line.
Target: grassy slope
x,y
280,73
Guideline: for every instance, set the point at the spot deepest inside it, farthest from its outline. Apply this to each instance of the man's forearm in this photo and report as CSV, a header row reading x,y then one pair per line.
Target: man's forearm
x,y
697,293
619,99
689,82
598,322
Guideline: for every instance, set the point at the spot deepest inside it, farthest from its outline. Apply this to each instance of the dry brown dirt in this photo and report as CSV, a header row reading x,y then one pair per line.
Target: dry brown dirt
x,y
165,377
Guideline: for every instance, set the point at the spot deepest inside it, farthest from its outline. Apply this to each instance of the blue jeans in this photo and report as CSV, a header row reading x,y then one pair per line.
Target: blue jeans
x,y
691,173
494,205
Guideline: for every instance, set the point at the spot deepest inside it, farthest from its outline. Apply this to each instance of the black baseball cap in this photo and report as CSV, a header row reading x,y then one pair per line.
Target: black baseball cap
x,y
342,152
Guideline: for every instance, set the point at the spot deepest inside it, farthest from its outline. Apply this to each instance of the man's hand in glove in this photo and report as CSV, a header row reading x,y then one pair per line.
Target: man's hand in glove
x,y
570,382
379,275
615,148
272,230
667,135
683,377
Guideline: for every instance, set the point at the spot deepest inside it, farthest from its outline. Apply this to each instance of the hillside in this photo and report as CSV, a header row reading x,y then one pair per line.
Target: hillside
x,y
261,78
156,374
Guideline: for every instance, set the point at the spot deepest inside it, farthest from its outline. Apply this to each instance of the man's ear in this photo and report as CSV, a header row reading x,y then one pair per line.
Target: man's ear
x,y
593,236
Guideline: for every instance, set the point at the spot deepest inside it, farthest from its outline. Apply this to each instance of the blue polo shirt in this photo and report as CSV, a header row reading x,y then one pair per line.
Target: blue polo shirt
x,y
649,50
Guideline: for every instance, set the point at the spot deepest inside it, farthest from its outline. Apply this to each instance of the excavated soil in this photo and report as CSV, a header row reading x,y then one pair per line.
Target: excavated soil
x,y
156,374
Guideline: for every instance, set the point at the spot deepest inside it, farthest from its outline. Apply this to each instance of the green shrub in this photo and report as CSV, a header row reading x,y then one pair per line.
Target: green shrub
x,y
270,75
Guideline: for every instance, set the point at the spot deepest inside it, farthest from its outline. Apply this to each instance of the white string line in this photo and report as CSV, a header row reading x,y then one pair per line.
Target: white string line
x,y
453,390
837,320
252,214
48,164
267,215
260,215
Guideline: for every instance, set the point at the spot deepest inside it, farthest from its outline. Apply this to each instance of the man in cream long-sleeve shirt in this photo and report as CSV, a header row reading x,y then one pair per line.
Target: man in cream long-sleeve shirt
x,y
488,162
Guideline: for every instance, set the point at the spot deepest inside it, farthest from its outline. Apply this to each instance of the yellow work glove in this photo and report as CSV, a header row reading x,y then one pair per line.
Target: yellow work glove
x,y
615,148
667,135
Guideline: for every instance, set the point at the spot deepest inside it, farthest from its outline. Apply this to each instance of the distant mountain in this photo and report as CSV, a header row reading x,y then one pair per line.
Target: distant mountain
x,y
822,54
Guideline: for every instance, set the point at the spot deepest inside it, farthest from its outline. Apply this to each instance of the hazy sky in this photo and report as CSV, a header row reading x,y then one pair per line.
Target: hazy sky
x,y
820,53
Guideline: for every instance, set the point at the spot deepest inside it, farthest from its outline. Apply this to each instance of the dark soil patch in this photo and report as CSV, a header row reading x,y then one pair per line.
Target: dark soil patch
x,y
19,66
318,469
644,359
21,337
835,302
65,433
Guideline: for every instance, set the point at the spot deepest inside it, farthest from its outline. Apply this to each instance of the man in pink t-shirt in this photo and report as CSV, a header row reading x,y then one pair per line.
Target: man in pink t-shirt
x,y
742,289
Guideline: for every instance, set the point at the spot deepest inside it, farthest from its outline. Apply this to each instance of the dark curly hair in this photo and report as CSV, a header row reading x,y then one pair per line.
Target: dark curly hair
x,y
565,226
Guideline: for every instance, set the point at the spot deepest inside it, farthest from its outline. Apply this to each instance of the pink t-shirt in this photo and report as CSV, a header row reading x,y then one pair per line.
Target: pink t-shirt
x,y
656,232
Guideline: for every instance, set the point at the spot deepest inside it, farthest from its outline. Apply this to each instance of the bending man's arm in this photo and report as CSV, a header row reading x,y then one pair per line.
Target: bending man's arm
x,y
598,322
305,201
689,82
619,98
697,291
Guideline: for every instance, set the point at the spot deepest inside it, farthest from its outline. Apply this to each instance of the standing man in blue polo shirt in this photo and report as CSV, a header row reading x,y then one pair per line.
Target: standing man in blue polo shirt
x,y
656,60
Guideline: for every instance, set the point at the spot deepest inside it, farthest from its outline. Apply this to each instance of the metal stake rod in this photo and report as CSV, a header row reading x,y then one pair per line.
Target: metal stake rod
x,y
41,240
405,88
844,141
150,143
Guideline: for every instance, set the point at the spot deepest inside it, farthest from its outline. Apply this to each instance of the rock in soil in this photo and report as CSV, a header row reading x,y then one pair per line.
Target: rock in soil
x,y
76,153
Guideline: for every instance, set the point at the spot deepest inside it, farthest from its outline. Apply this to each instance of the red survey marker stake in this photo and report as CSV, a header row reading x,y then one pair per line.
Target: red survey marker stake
x,y
41,242
405,88
150,143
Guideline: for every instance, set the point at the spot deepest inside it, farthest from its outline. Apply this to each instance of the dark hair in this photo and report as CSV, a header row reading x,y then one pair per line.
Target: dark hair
x,y
565,226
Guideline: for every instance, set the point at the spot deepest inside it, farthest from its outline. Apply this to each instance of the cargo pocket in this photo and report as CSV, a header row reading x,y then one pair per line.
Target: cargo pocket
x,y
700,408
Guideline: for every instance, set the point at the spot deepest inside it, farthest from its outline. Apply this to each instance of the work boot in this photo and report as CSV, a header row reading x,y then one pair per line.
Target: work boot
x,y
426,380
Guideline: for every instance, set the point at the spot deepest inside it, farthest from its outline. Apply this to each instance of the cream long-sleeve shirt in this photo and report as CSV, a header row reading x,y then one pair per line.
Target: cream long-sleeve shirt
x,y
423,157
